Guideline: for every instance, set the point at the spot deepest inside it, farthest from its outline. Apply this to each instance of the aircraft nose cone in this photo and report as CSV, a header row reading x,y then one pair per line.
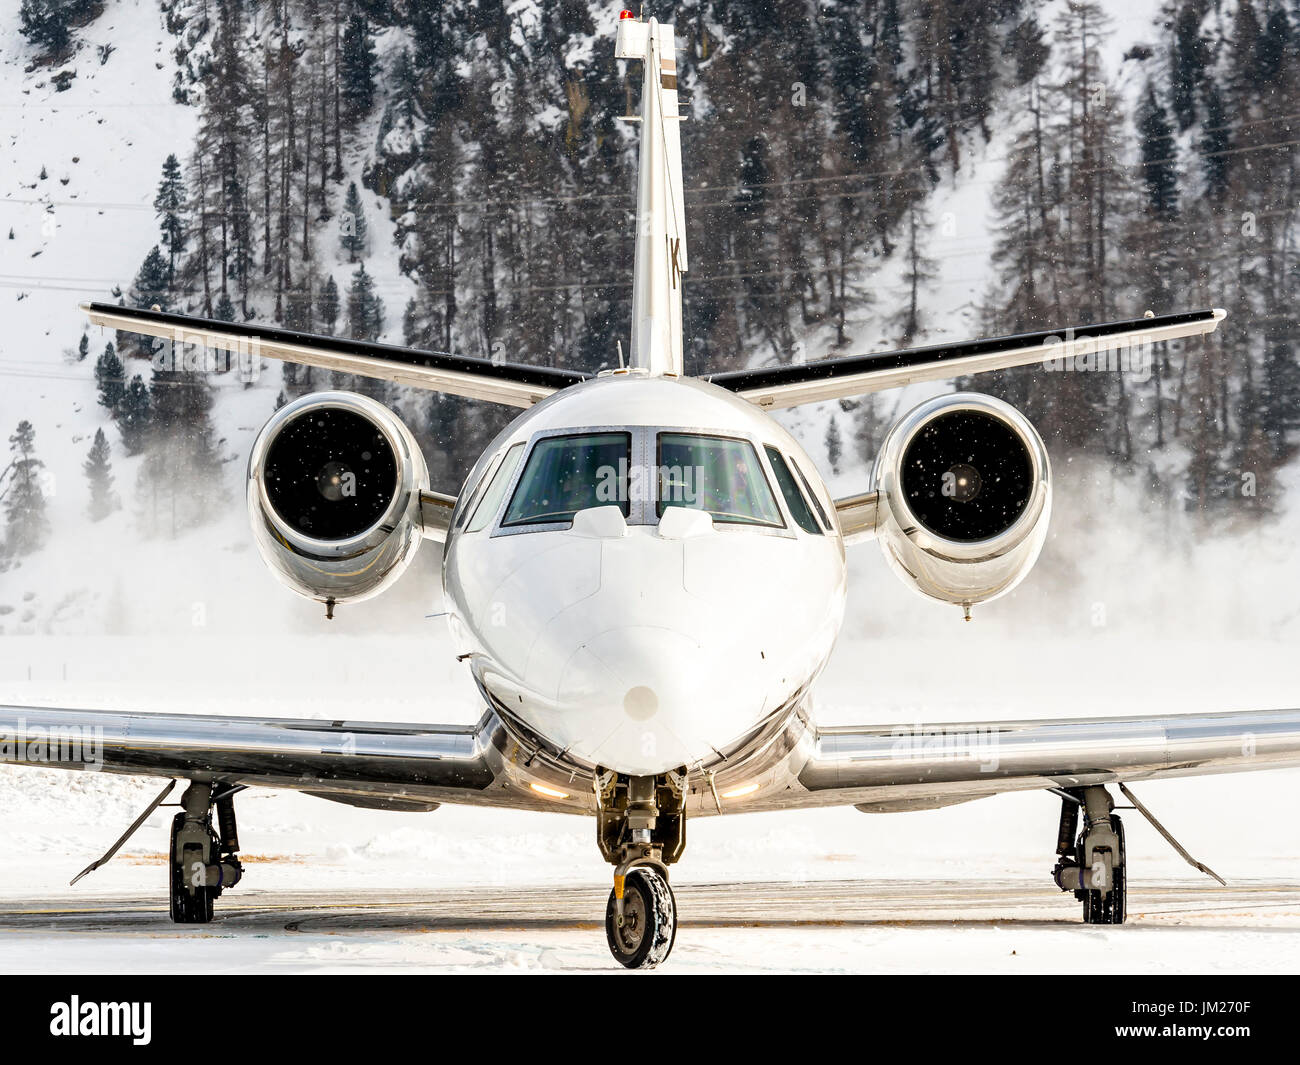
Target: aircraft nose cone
x,y
672,706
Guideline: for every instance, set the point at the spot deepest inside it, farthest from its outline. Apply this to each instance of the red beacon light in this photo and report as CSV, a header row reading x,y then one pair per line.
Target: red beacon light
x,y
625,14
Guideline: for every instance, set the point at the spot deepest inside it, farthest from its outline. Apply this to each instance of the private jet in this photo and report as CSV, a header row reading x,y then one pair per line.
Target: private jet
x,y
645,575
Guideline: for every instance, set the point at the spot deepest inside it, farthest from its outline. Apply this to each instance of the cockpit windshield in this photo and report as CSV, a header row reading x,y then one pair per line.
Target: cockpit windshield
x,y
566,474
718,474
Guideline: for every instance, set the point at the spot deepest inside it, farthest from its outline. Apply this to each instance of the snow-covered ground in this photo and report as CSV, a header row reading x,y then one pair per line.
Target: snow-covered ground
x,y
1129,612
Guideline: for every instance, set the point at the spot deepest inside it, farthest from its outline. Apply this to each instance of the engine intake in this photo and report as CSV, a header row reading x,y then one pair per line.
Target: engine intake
x,y
334,482
964,489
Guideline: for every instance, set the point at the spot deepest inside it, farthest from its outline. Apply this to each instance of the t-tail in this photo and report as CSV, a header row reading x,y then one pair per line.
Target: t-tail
x,y
660,211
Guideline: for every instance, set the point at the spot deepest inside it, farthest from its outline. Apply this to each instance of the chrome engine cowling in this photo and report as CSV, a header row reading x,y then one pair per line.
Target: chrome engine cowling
x,y
965,497
334,482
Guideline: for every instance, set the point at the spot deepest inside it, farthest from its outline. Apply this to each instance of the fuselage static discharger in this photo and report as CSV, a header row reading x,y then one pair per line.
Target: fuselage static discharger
x,y
645,574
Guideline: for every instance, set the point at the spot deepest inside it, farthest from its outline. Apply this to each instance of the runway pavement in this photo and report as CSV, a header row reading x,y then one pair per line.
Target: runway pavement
x,y
760,905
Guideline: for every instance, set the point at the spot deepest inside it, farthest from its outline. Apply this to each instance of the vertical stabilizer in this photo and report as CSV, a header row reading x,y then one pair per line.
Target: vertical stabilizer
x,y
660,212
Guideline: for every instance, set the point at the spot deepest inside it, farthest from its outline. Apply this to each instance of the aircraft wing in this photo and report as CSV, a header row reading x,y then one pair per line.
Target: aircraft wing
x,y
853,375
877,769
883,769
513,384
360,763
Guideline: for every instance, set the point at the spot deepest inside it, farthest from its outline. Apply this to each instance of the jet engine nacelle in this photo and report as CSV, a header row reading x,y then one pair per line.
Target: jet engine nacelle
x,y
964,499
334,482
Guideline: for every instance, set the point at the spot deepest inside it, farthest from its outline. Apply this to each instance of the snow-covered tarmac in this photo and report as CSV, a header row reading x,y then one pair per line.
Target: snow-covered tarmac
x,y
875,926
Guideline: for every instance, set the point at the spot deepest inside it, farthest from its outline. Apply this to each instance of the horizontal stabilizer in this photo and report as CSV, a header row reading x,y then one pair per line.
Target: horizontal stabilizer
x,y
1111,345
497,382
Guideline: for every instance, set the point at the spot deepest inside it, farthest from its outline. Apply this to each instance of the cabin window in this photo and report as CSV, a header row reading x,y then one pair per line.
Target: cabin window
x,y
803,516
721,475
566,474
496,489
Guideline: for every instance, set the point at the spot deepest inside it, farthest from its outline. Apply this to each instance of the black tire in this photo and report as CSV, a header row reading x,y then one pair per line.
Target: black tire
x,y
1111,908
187,907
1119,893
649,927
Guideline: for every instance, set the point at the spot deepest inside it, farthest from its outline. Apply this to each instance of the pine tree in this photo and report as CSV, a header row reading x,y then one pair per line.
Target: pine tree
x,y
327,305
352,224
1188,61
169,203
1159,166
24,498
1272,46
1028,48
152,284
225,308
834,444
135,416
83,347
1215,144
357,66
917,270
415,327
45,24
180,479
99,475
110,379
365,308
151,288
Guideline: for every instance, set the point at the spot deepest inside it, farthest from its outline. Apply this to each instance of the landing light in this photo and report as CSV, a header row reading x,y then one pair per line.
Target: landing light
x,y
542,789
736,793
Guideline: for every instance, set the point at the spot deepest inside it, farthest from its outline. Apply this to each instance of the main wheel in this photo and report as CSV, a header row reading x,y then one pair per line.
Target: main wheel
x,y
1112,907
646,933
187,907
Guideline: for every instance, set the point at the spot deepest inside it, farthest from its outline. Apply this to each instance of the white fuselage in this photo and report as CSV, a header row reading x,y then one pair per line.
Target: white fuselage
x,y
636,643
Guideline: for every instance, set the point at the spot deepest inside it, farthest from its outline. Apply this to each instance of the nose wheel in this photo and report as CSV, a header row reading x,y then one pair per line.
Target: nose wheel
x,y
641,829
642,931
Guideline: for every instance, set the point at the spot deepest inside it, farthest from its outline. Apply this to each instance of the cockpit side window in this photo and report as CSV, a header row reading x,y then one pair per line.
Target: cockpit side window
x,y
721,475
812,496
496,489
803,517
471,500
566,474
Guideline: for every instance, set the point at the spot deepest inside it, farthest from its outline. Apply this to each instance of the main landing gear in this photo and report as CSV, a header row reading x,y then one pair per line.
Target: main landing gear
x,y
204,860
1094,864
641,829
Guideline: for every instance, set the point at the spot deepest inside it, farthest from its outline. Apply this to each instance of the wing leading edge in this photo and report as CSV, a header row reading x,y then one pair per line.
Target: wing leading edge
x,y
357,762
854,375
924,766
513,384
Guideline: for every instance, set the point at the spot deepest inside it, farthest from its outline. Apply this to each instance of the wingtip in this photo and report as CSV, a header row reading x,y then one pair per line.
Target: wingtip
x,y
1219,314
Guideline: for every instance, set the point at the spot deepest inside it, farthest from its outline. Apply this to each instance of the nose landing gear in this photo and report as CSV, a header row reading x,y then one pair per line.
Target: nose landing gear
x,y
641,829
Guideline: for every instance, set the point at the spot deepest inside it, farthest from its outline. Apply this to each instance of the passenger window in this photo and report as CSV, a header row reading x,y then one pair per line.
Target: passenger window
x,y
566,474
812,496
718,474
496,489
803,517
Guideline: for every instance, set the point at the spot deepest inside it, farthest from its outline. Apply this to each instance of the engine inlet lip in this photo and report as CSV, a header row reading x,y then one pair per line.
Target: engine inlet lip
x,y
901,438
372,535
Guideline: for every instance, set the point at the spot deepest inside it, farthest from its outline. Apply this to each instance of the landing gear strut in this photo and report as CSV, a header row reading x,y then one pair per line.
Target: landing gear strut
x,y
1094,865
204,861
641,829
